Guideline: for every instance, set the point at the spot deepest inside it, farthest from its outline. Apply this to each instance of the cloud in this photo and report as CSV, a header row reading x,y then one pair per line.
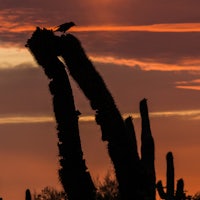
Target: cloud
x,y
13,27
24,88
20,18
127,85
173,27
25,119
16,58
183,114
129,80
17,24
189,85
126,12
147,65
175,49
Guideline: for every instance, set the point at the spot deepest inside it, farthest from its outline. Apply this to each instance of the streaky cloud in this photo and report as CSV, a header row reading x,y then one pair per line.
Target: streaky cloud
x,y
189,85
25,119
13,56
14,119
9,24
146,65
173,27
179,113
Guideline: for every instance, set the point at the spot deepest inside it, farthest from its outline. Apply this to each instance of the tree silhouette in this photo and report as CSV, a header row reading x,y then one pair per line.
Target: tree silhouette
x,y
50,193
196,196
107,189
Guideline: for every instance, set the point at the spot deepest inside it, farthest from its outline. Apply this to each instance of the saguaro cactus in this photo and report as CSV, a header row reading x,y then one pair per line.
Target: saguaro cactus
x,y
136,177
147,153
170,193
121,144
73,173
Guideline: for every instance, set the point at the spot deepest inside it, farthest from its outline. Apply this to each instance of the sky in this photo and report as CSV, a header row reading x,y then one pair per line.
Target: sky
x,y
141,48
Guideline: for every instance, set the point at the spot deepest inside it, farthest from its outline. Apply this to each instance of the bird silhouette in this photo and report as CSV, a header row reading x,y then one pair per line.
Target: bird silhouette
x,y
64,27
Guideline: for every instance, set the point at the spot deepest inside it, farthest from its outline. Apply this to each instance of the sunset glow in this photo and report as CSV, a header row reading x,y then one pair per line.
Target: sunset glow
x,y
10,24
197,87
14,55
141,49
182,27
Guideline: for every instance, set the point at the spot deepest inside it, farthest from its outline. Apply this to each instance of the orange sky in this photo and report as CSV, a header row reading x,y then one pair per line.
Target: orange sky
x,y
141,48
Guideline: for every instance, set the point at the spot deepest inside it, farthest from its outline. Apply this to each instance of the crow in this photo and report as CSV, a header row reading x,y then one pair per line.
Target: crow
x,y
64,27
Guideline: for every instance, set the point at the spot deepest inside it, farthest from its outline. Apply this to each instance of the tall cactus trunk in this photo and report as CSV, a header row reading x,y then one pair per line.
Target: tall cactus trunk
x,y
73,173
107,115
147,153
170,176
121,144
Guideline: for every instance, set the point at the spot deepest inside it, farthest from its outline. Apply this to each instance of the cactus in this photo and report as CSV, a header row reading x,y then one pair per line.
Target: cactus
x,y
28,195
136,177
73,173
122,146
147,153
170,193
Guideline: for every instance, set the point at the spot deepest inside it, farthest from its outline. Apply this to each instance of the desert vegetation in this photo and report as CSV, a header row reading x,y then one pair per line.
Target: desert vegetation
x,y
135,175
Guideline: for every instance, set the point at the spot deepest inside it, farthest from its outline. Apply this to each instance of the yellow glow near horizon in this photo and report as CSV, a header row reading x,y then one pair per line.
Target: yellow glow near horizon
x,y
184,114
13,56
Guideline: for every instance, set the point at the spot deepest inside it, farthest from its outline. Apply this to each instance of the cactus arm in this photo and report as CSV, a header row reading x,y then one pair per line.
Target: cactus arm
x,y
180,195
160,190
